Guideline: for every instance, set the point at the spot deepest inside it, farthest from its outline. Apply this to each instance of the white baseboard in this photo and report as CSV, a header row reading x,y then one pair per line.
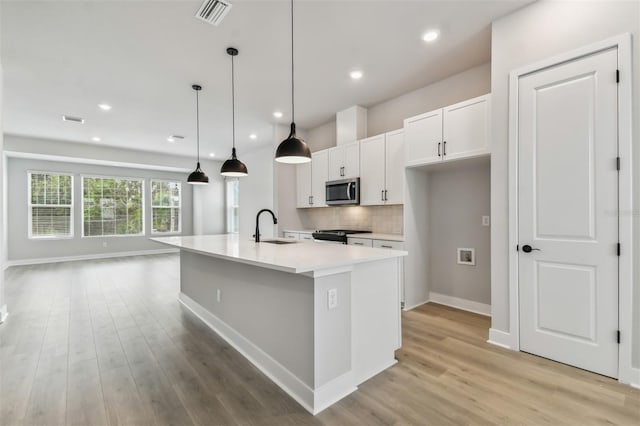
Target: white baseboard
x,y
464,304
635,377
4,313
312,400
500,338
410,307
22,262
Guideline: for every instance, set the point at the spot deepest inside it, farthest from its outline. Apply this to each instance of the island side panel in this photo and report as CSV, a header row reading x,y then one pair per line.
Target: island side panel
x,y
271,309
376,316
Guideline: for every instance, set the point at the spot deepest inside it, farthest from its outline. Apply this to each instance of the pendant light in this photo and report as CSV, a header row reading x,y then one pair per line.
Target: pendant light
x,y
197,177
233,167
293,150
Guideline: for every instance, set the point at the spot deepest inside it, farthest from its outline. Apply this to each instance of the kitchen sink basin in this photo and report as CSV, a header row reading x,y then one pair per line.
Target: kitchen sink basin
x,y
278,242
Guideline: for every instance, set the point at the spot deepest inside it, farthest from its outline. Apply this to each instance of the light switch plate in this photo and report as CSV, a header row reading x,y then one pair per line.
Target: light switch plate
x,y
486,221
332,298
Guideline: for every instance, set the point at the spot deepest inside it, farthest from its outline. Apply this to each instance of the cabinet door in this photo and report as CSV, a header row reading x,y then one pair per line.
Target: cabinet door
x,y
305,236
394,167
303,185
423,138
393,245
466,128
336,161
359,242
319,176
351,160
292,235
372,163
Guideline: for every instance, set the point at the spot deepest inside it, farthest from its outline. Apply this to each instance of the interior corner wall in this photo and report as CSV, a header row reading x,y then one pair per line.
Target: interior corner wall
x,y
285,191
209,212
322,137
536,32
21,248
458,197
257,192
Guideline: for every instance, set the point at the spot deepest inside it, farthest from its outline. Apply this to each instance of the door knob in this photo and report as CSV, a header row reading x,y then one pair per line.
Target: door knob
x,y
528,249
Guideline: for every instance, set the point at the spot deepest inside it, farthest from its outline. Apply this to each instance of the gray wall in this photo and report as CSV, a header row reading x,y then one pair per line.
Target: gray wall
x,y
458,197
22,248
517,40
3,227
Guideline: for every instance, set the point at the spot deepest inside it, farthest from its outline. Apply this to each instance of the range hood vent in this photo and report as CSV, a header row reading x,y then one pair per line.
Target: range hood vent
x,y
213,11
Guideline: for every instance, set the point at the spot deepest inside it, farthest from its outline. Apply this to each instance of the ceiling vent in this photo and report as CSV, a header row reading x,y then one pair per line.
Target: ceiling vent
x,y
74,119
213,11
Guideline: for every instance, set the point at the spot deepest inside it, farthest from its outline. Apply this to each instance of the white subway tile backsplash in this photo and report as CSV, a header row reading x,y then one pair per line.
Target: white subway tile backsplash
x,y
378,219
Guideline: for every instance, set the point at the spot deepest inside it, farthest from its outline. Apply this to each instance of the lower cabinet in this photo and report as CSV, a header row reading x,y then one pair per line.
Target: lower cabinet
x,y
292,235
305,236
366,242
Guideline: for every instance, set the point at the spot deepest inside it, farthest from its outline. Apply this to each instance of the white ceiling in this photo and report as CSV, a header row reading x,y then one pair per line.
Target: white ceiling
x,y
65,57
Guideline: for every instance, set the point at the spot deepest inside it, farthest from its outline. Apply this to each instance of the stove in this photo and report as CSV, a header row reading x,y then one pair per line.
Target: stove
x,y
335,235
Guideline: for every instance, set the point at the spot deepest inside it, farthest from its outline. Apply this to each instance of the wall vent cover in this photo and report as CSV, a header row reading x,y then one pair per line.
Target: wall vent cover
x,y
73,119
213,11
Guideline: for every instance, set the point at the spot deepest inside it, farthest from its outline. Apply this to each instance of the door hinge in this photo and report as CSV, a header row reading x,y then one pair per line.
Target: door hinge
x,y
617,76
618,336
618,249
618,163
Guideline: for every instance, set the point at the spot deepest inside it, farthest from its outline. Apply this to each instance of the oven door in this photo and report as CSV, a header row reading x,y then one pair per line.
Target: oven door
x,y
345,191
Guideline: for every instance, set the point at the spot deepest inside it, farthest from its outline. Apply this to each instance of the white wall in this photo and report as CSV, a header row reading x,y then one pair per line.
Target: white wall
x,y
539,31
22,248
285,189
322,137
209,212
257,192
3,227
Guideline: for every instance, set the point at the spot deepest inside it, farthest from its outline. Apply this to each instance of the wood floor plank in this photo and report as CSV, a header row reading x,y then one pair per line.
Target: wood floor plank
x,y
85,401
122,403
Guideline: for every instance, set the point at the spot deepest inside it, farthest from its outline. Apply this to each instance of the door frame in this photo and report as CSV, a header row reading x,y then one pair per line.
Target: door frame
x,y
625,203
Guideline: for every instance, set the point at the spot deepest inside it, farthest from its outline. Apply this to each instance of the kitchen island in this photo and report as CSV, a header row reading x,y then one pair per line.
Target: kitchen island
x,y
318,319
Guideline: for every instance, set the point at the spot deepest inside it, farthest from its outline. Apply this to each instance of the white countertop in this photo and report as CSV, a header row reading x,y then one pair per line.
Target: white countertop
x,y
295,258
304,231
372,236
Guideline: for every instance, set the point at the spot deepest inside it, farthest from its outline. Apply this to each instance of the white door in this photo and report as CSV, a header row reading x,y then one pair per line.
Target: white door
x,y
466,128
568,214
423,138
319,177
336,163
394,168
303,185
372,163
351,160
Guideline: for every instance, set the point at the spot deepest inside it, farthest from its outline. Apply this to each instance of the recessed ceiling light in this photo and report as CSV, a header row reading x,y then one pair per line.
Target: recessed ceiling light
x,y
277,114
430,36
212,154
171,139
96,139
73,119
253,136
356,75
104,107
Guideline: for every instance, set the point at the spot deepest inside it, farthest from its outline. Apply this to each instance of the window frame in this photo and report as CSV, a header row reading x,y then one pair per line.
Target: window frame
x,y
30,206
179,182
143,197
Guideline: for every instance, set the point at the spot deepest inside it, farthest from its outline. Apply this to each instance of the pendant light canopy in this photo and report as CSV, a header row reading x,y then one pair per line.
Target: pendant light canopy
x,y
293,150
197,177
233,167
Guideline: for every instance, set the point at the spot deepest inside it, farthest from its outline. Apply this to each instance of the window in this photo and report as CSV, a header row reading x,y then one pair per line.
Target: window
x,y
233,195
50,205
112,206
165,206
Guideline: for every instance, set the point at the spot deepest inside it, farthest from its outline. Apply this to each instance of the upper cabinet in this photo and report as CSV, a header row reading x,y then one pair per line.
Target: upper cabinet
x,y
344,161
310,180
457,131
381,169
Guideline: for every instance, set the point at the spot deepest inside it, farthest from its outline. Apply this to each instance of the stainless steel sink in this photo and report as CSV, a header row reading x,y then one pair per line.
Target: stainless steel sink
x,y
278,242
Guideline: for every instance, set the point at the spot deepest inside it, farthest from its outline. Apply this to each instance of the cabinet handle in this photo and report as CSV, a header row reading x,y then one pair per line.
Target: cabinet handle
x,y
444,148
382,195
358,244
386,198
439,143
386,246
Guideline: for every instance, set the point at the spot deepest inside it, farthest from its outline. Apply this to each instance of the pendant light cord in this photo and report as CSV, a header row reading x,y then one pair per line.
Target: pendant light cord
x,y
293,108
198,124
233,103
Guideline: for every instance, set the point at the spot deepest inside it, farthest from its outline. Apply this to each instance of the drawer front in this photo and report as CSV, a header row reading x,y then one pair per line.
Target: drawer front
x,y
291,235
305,236
359,242
394,245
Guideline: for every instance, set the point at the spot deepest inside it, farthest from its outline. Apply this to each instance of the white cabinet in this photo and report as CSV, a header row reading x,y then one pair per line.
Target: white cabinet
x,y
305,236
394,245
344,161
381,169
291,235
310,180
366,242
457,131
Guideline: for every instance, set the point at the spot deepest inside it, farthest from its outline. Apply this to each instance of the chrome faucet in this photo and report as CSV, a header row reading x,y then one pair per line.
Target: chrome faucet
x,y
275,221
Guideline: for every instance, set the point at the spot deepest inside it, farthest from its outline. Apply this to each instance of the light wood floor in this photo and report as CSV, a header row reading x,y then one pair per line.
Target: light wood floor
x,y
106,342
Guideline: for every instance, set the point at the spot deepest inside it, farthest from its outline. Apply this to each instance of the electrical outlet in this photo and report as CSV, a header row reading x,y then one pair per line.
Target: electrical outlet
x,y
104,244
485,221
332,298
219,295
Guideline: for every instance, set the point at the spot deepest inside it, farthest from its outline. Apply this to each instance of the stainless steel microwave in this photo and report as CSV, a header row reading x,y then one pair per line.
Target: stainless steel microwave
x,y
343,191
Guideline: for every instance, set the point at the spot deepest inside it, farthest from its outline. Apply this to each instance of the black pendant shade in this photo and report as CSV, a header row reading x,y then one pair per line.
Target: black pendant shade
x,y
233,167
197,177
293,150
